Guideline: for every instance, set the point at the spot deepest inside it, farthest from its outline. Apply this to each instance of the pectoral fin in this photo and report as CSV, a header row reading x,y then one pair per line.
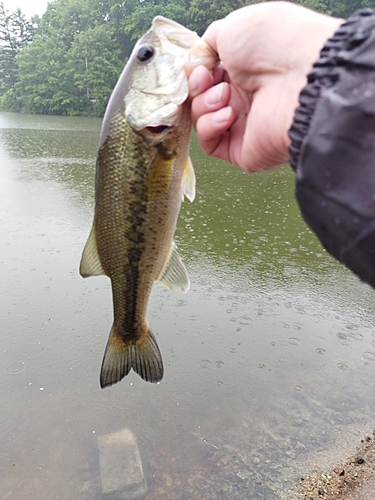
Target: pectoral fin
x,y
90,262
174,275
188,180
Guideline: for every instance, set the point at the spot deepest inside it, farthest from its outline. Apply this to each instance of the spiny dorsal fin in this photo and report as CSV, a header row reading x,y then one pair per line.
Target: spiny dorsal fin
x,y
90,262
188,180
174,275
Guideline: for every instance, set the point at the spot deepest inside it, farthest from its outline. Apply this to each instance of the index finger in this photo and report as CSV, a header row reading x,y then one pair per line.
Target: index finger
x,y
210,35
199,81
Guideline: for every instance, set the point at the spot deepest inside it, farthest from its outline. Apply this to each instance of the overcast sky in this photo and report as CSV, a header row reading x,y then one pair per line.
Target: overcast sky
x,y
28,7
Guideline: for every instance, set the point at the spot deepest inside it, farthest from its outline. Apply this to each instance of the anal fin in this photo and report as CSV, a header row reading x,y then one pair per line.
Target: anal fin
x,y
174,275
90,261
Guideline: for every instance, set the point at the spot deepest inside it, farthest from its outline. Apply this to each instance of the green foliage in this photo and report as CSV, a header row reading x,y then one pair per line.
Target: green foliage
x,y
15,33
140,19
204,12
44,86
344,8
68,61
73,63
94,66
318,5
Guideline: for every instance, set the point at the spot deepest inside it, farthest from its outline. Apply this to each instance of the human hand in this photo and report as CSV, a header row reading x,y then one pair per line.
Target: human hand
x,y
243,109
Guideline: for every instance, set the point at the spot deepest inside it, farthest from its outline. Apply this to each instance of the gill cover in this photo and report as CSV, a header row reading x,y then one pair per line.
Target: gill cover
x,y
161,61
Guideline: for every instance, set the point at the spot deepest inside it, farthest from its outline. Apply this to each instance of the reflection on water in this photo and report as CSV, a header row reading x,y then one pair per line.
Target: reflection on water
x,y
268,359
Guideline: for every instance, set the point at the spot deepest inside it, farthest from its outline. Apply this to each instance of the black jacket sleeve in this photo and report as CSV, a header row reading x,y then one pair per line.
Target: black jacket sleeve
x,y
333,146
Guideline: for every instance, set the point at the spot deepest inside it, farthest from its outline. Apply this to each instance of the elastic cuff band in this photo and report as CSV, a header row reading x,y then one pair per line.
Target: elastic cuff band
x,y
349,47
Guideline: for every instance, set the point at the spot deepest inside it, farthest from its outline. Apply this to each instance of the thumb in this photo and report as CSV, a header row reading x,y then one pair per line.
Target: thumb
x,y
211,34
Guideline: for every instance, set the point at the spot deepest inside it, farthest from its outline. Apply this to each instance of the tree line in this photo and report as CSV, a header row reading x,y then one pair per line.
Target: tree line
x,y
67,61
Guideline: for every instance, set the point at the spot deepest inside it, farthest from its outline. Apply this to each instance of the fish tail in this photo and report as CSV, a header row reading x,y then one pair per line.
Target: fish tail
x,y
142,355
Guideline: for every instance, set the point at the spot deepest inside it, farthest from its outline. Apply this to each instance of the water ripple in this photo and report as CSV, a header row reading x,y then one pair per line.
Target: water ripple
x,y
370,356
6,442
294,341
342,366
15,368
205,363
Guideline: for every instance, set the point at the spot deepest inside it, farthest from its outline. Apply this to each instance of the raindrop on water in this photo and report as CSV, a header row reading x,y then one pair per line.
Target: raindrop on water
x,y
244,320
181,303
342,366
370,356
205,363
241,285
16,368
341,335
294,341
356,336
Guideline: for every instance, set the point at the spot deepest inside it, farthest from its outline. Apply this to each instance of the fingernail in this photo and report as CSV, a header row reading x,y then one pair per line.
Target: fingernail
x,y
214,95
222,115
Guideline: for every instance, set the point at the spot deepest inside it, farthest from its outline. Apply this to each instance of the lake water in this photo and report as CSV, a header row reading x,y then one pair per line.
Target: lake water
x,y
269,358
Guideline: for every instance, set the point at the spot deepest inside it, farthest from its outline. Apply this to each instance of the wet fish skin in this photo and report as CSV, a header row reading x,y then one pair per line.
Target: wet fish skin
x,y
143,171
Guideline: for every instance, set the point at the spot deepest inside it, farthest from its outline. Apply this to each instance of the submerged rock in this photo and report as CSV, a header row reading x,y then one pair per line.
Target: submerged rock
x,y
121,469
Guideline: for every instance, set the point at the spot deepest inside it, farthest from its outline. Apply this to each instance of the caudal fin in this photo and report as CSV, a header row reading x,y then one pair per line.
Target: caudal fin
x,y
142,355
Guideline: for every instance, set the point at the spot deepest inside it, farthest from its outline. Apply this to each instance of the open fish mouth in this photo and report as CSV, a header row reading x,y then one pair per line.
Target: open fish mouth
x,y
156,134
160,129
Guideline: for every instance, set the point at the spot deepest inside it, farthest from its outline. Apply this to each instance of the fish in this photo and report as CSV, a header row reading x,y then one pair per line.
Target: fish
x,y
143,172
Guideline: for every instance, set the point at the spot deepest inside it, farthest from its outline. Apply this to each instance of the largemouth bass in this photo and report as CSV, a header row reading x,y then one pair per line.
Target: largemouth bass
x,y
143,171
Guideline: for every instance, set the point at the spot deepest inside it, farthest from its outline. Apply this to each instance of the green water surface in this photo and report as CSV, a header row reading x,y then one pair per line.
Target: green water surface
x,y
269,358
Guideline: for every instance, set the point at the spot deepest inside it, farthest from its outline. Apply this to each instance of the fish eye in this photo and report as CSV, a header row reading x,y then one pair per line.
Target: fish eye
x,y
145,53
